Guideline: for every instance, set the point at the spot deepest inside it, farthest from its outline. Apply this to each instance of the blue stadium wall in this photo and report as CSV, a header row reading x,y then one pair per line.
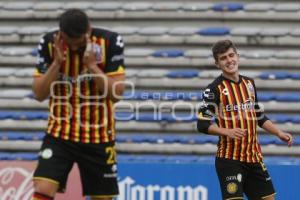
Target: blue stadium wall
x,y
154,177
196,180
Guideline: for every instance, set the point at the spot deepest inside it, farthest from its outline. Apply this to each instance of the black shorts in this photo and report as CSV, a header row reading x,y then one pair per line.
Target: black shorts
x,y
237,178
96,162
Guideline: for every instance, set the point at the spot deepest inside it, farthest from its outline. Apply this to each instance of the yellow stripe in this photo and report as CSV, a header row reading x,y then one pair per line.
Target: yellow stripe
x,y
46,179
200,116
264,197
240,114
243,125
118,72
96,113
76,107
103,49
87,113
51,121
37,73
67,90
105,121
222,138
233,121
112,119
251,141
235,198
50,49
58,111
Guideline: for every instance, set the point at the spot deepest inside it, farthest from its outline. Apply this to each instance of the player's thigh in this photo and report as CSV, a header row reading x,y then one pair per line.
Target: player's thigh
x,y
98,170
46,187
259,183
231,177
54,164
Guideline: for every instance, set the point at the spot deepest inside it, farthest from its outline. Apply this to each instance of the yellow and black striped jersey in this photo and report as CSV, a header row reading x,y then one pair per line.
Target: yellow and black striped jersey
x,y
78,112
233,105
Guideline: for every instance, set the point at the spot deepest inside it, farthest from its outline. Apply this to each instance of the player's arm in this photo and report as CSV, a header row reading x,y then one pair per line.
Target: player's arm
x,y
207,114
269,127
110,81
42,80
265,123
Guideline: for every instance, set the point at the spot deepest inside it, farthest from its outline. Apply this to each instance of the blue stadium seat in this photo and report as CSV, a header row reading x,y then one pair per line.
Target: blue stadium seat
x,y
296,119
5,115
177,95
274,75
198,139
214,31
177,117
266,96
288,97
295,76
21,136
30,115
147,117
165,95
267,139
34,52
23,115
280,118
171,53
228,6
183,74
124,116
4,156
24,156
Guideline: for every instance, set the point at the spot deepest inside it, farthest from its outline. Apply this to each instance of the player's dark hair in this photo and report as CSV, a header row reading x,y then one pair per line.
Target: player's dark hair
x,y
221,47
74,23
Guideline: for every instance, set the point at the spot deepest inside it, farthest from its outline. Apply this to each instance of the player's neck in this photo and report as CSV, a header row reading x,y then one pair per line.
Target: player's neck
x,y
233,77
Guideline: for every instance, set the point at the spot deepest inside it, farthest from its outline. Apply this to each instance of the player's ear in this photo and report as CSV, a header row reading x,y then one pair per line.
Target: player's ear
x,y
217,64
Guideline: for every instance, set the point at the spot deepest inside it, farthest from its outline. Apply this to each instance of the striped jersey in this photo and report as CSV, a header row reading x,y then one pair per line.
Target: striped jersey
x,y
233,105
78,112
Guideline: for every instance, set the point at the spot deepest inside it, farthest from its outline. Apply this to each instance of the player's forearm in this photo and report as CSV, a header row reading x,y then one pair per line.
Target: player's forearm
x,y
269,127
108,86
215,130
41,85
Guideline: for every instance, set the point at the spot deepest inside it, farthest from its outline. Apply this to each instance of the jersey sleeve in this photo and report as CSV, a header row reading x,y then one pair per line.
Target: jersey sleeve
x,y
115,56
208,109
260,114
43,56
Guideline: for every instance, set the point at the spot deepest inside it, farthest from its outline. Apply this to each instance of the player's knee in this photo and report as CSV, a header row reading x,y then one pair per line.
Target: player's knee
x,y
45,187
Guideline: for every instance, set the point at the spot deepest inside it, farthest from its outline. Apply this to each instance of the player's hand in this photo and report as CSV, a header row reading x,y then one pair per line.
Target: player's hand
x,y
286,137
236,133
59,54
89,56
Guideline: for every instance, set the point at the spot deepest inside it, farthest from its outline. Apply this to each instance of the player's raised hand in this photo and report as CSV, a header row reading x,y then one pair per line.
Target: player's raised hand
x,y
89,56
286,137
59,54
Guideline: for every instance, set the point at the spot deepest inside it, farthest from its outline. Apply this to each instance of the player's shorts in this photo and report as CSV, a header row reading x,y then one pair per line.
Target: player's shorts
x,y
237,178
96,162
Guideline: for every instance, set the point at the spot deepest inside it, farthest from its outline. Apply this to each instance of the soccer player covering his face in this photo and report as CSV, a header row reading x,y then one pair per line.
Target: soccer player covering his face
x,y
231,102
81,69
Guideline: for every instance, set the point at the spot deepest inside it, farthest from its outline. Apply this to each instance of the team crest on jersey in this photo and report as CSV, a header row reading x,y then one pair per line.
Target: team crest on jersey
x,y
232,188
250,88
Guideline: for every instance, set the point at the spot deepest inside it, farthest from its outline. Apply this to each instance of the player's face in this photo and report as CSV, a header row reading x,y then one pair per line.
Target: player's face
x,y
74,43
228,62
